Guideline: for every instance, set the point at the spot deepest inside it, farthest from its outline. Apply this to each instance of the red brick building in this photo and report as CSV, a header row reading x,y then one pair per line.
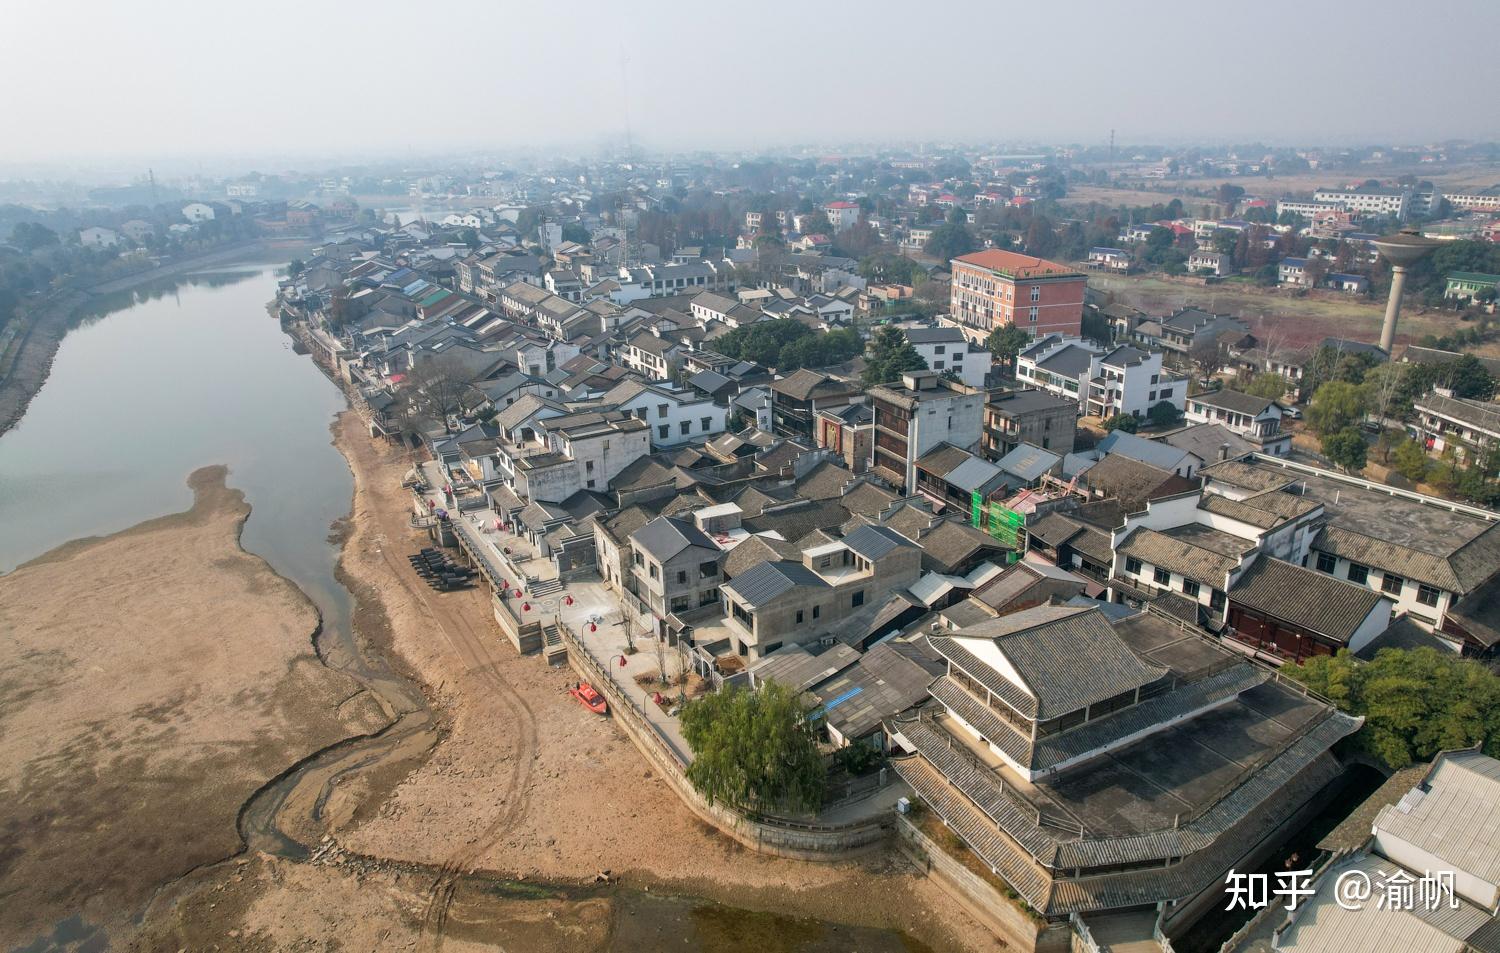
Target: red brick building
x,y
993,288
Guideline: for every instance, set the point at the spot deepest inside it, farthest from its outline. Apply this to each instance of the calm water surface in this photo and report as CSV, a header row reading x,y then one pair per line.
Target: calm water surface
x,y
165,379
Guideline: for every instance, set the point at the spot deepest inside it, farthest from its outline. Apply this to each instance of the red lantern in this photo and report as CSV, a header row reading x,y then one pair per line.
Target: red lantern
x,y
568,600
504,584
595,628
518,593
622,658
525,607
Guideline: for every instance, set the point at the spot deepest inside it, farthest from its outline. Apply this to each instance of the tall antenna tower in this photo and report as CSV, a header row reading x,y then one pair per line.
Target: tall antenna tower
x,y
1111,145
151,177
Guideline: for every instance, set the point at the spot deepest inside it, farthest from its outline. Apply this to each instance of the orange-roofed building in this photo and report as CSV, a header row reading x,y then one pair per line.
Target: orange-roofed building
x,y
994,288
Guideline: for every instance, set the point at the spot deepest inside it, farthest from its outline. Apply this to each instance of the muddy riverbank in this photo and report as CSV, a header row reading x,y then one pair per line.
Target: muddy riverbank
x,y
151,681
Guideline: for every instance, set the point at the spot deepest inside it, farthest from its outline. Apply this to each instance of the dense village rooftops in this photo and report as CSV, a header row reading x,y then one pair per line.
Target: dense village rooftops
x,y
1246,475
943,458
875,542
666,536
1134,483
1312,600
1163,456
1125,356
800,667
1453,817
1016,265
1208,441
1028,462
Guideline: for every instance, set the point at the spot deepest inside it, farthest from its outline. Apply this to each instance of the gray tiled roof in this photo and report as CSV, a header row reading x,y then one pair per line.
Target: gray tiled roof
x,y
1068,657
761,585
1235,401
666,536
1314,600
1202,554
1465,569
874,542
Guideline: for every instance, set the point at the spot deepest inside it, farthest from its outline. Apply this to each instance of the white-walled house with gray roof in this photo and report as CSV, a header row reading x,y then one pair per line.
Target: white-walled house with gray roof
x,y
945,349
781,603
675,416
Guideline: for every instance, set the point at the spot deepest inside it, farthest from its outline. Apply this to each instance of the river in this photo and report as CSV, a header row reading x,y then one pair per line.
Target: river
x,y
191,371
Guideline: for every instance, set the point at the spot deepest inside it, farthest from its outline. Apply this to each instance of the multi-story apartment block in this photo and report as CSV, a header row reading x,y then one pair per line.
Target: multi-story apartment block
x,y
913,417
675,570
1058,365
1308,210
782,603
996,288
1475,201
947,350
842,215
1128,380
1371,200
1028,416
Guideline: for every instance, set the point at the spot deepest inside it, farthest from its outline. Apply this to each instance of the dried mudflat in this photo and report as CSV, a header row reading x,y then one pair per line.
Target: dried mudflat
x,y
150,682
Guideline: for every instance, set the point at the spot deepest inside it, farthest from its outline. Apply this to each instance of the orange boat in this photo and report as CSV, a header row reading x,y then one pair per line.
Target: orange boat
x,y
591,699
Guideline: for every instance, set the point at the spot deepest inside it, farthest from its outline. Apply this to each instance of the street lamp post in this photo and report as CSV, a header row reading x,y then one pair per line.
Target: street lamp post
x,y
1403,249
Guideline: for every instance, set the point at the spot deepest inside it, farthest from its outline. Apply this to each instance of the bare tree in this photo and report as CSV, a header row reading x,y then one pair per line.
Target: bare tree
x,y
435,389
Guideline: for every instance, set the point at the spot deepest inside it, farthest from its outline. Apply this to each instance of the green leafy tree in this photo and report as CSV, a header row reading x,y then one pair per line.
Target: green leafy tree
x,y
1006,343
1336,406
1411,461
890,354
950,241
1267,385
1416,702
575,232
754,750
1126,422
1163,414
1346,448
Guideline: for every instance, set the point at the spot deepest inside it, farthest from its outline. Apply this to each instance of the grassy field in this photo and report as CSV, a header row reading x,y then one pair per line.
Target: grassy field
x,y
1304,320
1462,176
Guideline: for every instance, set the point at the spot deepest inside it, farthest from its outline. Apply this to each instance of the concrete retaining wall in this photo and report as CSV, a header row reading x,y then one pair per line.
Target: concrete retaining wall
x,y
979,897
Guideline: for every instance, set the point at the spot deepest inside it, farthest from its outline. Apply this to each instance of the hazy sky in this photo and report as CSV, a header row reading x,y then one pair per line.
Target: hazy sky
x,y
154,79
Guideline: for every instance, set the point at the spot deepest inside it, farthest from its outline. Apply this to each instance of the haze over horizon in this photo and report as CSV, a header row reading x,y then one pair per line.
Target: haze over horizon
x,y
106,81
